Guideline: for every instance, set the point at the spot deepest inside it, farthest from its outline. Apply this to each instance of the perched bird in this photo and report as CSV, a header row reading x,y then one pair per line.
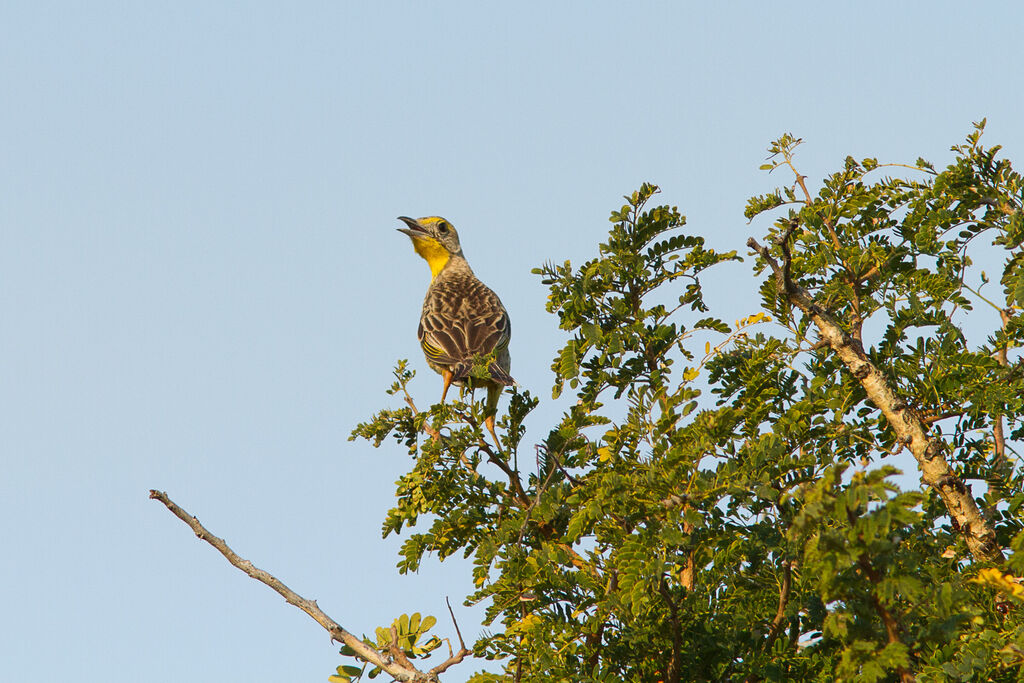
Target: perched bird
x,y
462,319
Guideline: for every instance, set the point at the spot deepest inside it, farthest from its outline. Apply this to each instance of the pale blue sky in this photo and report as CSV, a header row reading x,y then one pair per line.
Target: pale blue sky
x,y
202,289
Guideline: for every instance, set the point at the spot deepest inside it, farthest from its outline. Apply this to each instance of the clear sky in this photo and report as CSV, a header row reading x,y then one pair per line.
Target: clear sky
x,y
202,289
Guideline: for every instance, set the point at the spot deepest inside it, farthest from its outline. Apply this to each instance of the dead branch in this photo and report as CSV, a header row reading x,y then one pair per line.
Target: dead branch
x,y
458,656
397,671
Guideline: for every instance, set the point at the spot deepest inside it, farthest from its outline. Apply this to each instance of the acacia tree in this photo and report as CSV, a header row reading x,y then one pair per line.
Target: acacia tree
x,y
720,501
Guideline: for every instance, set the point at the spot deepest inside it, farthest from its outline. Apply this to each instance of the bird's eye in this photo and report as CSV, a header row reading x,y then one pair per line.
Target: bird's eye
x,y
442,227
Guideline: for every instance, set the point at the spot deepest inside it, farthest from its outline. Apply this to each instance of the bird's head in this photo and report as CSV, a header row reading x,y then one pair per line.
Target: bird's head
x,y
434,239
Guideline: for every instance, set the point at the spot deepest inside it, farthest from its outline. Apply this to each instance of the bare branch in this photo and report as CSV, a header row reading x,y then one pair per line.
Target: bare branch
x,y
337,632
458,656
462,643
910,429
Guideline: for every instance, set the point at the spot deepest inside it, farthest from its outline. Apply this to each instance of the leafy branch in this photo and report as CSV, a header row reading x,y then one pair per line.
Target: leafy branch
x,y
910,429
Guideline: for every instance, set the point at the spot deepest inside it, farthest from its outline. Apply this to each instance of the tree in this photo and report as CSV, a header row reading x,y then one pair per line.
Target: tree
x,y
719,503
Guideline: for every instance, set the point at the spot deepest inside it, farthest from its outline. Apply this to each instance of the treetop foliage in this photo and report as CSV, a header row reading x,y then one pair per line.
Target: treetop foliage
x,y
721,502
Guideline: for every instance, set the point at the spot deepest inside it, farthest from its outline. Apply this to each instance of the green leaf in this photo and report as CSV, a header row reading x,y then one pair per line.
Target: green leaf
x,y
345,673
1017,295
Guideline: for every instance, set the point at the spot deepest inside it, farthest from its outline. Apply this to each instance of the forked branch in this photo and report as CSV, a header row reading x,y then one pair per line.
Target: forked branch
x,y
399,671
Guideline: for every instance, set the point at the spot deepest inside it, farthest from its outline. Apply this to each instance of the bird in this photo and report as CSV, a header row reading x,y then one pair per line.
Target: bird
x,y
463,321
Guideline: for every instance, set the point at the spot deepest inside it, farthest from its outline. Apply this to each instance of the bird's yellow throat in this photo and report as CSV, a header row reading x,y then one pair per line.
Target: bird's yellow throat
x,y
432,252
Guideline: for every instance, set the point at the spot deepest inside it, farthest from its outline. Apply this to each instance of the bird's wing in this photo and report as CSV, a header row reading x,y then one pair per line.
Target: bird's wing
x,y
462,321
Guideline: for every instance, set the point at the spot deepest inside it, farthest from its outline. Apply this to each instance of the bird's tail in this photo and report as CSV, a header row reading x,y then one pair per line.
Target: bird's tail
x,y
462,372
499,375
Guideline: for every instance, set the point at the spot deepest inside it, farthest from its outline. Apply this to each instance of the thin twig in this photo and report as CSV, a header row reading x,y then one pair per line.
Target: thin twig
x,y
558,463
536,499
998,437
788,160
458,656
433,433
455,623
513,477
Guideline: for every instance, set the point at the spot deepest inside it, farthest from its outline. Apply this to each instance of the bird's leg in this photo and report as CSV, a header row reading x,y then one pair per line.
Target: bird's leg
x,y
447,377
489,423
490,409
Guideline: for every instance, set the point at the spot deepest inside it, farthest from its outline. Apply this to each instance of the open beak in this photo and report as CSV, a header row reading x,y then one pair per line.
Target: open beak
x,y
414,229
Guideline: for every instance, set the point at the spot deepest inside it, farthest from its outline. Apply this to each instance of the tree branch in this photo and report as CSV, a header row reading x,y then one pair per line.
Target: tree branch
x,y
674,664
458,656
997,432
396,652
892,627
433,433
909,427
513,476
1002,469
780,614
336,631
